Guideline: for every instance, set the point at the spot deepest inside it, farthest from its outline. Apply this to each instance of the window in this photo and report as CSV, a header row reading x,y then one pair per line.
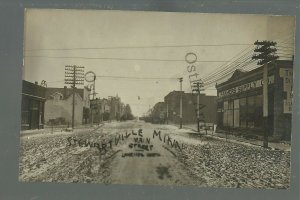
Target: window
x,y
243,113
258,119
34,105
228,113
25,117
225,106
251,112
236,114
57,97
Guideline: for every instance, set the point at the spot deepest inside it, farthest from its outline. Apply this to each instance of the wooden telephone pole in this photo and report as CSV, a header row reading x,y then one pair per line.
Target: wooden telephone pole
x,y
197,87
180,80
266,54
74,75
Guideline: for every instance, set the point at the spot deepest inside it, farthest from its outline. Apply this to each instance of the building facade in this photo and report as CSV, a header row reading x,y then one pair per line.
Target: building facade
x,y
189,107
115,108
59,105
107,109
100,110
240,101
159,113
32,108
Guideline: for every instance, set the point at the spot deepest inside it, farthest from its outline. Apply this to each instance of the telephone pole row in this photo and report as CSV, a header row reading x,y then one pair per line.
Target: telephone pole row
x,y
74,75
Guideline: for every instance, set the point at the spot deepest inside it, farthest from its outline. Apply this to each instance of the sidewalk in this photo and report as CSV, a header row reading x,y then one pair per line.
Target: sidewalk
x,y
55,130
275,146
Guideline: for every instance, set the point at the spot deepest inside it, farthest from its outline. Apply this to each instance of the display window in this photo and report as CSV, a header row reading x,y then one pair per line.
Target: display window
x,y
236,114
243,113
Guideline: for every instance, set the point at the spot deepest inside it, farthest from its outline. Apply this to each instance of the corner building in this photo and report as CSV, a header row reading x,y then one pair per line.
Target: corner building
x,y
33,105
240,101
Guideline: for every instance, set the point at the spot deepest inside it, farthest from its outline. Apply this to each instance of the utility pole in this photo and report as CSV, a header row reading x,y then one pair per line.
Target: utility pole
x,y
167,112
94,104
74,75
90,77
266,50
180,80
197,88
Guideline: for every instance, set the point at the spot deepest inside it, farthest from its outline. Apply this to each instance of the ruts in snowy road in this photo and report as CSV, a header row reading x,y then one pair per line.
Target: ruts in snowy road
x,y
135,152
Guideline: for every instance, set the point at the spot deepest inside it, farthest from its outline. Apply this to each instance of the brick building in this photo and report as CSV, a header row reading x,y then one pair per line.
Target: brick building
x,y
107,109
100,109
115,108
240,101
189,105
159,113
32,108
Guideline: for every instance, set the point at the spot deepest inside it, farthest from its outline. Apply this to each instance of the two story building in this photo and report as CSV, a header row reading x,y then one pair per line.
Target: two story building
x,y
59,102
208,107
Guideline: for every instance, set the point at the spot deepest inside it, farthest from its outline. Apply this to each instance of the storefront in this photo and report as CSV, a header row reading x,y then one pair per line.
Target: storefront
x,y
32,108
240,101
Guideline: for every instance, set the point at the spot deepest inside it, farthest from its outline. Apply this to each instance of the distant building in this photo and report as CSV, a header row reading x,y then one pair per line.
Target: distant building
x,y
107,109
240,101
58,106
100,110
32,109
189,106
159,113
115,108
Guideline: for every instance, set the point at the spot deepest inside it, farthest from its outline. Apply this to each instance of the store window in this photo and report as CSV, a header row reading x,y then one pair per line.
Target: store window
x,y
251,112
243,112
236,113
225,118
258,119
34,105
230,113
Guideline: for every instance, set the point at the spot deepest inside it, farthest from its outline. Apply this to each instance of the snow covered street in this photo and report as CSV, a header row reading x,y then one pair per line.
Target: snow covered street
x,y
135,152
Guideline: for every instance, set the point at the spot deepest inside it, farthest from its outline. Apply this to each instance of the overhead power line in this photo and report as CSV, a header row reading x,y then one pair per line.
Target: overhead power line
x,y
136,47
225,75
128,59
225,65
225,70
129,78
248,64
230,67
142,78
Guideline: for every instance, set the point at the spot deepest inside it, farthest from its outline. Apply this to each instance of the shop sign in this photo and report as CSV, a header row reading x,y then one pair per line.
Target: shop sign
x,y
245,87
287,75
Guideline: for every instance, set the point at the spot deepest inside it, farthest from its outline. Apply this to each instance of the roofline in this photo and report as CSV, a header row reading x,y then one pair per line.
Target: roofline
x,y
249,73
33,96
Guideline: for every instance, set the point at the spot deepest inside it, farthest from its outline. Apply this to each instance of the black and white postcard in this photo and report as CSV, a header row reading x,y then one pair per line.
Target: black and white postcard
x,y
157,98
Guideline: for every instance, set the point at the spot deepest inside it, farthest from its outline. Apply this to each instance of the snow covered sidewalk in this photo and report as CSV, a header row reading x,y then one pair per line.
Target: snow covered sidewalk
x,y
231,138
231,163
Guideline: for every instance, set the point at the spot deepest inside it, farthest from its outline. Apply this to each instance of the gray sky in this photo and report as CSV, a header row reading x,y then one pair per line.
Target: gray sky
x,y
71,29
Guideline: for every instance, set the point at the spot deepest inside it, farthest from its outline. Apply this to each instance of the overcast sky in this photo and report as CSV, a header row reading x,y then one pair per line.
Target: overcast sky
x,y
59,33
